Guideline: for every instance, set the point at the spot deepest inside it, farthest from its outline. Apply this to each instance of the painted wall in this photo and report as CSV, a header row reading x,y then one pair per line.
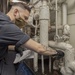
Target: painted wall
x,y
71,20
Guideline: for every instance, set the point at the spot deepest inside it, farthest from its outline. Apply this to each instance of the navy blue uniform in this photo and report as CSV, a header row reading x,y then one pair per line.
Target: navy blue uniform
x,y
10,34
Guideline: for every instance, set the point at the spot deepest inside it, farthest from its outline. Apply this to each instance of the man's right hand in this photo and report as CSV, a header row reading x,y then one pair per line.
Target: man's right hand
x,y
59,55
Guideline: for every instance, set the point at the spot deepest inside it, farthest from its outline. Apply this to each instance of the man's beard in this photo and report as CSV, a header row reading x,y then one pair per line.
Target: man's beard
x,y
20,23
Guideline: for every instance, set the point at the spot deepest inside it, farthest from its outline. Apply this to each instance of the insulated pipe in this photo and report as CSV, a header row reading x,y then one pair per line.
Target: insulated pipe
x,y
30,19
44,22
64,13
35,60
49,56
59,1
72,66
36,4
35,54
56,19
69,67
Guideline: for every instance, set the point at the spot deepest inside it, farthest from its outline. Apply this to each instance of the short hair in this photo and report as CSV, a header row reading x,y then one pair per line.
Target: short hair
x,y
22,5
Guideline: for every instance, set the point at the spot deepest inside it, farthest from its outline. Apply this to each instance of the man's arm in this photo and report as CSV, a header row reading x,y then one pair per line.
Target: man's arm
x,y
37,47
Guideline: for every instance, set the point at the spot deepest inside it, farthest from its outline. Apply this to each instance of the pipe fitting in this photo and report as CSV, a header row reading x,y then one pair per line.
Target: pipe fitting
x,y
72,66
69,67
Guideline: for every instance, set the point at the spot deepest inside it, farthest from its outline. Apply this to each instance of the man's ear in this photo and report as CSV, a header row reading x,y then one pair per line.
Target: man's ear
x,y
16,11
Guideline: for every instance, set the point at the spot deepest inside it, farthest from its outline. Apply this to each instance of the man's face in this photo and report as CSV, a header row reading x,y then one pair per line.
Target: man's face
x,y
21,18
24,15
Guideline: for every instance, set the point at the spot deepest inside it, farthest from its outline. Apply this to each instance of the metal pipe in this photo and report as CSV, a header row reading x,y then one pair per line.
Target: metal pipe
x,y
59,1
42,60
44,22
50,64
30,19
36,3
50,26
64,13
56,19
35,62
72,66
69,66
35,54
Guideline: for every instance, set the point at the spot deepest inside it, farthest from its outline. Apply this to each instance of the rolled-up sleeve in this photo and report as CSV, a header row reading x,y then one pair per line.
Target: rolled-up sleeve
x,y
10,34
22,41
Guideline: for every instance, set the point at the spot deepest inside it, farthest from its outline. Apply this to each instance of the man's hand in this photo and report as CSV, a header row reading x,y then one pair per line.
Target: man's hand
x,y
59,55
48,51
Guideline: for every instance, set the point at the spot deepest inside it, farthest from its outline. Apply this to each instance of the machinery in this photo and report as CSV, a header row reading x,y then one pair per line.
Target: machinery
x,y
51,23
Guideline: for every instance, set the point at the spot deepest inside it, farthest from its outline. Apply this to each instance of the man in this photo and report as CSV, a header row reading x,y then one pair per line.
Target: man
x,y
10,34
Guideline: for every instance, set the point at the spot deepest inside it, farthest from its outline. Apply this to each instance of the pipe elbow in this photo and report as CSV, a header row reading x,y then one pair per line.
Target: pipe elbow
x,y
72,66
68,46
63,70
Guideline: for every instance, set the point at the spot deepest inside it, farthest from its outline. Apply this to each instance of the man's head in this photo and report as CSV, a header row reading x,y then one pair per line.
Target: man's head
x,y
19,11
